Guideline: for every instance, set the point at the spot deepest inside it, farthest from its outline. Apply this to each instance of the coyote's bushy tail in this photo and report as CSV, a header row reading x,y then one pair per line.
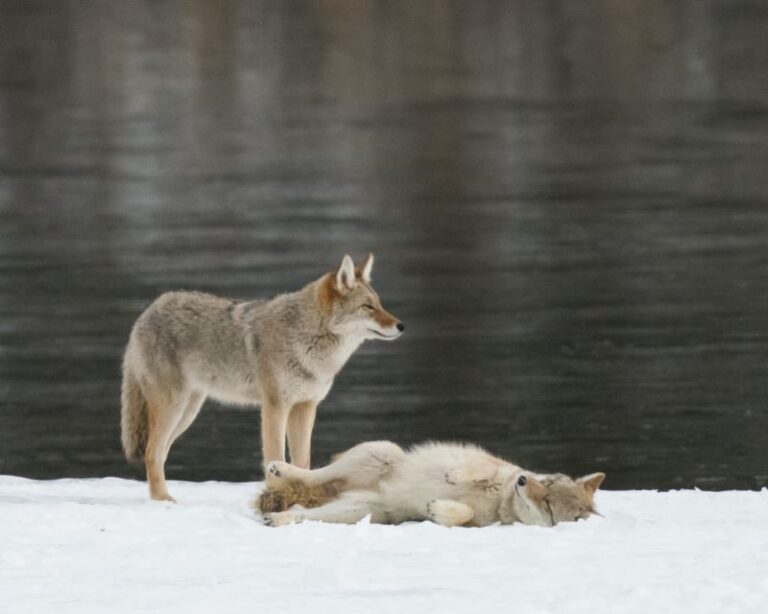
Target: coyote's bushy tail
x,y
292,492
134,417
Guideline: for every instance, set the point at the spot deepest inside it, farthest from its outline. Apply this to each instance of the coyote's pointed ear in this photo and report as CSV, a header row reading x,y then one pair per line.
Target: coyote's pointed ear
x,y
345,276
367,267
592,481
535,489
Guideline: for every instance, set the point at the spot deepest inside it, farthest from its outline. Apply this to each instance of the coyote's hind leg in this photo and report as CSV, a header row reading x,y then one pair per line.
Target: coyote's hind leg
x,y
164,418
349,508
360,467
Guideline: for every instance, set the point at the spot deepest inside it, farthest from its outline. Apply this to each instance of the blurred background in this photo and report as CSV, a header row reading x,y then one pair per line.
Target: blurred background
x,y
567,201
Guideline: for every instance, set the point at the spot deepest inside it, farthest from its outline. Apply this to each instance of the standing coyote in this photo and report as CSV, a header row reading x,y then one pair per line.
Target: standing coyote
x,y
450,484
282,354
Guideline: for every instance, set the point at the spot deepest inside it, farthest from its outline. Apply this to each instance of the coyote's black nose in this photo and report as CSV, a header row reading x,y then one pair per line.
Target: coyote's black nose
x,y
522,480
401,327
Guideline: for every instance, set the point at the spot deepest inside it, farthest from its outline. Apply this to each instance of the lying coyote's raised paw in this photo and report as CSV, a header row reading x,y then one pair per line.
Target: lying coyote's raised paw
x,y
273,468
455,477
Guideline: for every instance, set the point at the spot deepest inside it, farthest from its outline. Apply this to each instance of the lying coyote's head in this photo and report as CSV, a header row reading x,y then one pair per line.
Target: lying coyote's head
x,y
352,306
547,500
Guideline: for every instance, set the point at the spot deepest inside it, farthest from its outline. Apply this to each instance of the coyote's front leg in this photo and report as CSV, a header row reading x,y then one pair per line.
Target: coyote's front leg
x,y
274,418
449,513
481,473
299,430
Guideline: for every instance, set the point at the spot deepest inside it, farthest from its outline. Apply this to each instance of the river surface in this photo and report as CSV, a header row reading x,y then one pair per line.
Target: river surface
x,y
567,203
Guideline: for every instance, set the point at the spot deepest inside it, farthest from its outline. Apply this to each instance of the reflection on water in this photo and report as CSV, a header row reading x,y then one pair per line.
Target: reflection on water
x,y
567,202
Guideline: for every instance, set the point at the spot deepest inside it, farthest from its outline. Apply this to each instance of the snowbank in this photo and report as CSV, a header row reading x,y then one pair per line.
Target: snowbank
x,y
101,546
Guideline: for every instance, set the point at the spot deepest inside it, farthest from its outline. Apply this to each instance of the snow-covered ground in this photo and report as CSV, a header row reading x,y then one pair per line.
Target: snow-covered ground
x,y
101,546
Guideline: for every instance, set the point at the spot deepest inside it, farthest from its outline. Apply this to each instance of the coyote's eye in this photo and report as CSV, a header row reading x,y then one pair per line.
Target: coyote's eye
x,y
368,307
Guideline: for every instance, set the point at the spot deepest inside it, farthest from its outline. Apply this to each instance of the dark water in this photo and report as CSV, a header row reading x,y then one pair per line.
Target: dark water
x,y
567,201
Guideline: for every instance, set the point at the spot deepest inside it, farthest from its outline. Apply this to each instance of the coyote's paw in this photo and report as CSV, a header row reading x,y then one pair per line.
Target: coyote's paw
x,y
456,477
460,475
279,519
271,500
277,471
433,509
449,513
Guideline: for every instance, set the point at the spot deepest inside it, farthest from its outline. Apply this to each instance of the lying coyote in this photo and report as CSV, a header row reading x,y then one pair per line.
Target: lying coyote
x,y
450,484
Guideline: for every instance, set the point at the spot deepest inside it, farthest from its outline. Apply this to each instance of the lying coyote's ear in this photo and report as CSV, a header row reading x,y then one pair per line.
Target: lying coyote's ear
x,y
592,481
345,276
367,267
